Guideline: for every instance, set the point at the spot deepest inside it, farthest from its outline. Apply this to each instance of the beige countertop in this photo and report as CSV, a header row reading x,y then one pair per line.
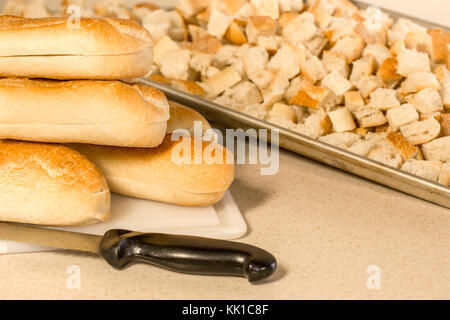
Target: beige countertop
x,y
325,227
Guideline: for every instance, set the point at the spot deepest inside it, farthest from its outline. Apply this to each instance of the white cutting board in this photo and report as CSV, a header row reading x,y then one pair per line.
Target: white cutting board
x,y
221,221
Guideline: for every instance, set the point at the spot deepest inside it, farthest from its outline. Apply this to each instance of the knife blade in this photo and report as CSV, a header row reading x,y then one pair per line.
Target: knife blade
x,y
185,254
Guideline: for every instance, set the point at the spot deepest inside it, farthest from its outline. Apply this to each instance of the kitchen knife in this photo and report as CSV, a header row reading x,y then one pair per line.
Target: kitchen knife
x,y
184,254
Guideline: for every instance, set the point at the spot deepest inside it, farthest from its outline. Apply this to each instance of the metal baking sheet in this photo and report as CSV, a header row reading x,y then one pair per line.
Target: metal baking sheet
x,y
317,150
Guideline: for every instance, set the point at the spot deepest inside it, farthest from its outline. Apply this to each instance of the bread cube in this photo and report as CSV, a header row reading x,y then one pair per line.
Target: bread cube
x,y
333,61
442,73
285,111
445,124
281,121
206,44
256,110
402,145
362,147
240,95
316,124
266,8
158,23
362,67
445,95
322,18
244,13
386,154
163,46
261,78
401,28
175,64
227,55
438,149
342,120
36,9
412,61
379,51
341,140
285,17
337,83
274,92
200,62
313,97
271,44
401,116
421,132
218,23
418,81
428,170
369,117
233,6
211,72
255,59
196,32
398,47
368,84
260,26
223,80
189,8
420,41
190,87
14,7
159,78
444,176
294,86
350,46
384,99
312,69
299,30
388,72
440,40
375,25
287,60
426,100
316,44
353,100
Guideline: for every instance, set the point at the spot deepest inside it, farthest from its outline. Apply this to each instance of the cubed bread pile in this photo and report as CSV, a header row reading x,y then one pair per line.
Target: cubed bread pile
x,y
74,125
352,78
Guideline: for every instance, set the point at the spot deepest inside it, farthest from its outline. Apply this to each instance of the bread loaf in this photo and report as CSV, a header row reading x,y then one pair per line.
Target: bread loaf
x,y
57,48
152,173
50,185
96,112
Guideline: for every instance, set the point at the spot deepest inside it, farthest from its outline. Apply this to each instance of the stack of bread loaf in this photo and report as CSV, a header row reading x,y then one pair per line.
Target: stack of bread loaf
x,y
66,82
352,78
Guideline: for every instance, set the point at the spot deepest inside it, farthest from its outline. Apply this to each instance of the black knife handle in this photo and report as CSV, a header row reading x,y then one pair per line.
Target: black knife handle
x,y
187,254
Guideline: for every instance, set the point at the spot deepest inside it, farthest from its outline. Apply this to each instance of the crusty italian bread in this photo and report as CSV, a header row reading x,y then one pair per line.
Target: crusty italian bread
x,y
50,185
155,174
57,48
96,112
